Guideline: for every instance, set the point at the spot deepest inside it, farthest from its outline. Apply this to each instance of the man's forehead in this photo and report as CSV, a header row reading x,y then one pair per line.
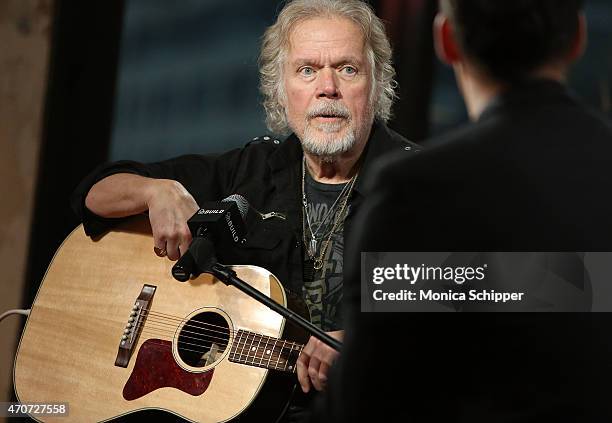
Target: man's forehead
x,y
314,57
340,37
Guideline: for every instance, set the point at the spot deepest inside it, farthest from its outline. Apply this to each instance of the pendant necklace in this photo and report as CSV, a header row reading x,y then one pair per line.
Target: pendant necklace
x,y
315,262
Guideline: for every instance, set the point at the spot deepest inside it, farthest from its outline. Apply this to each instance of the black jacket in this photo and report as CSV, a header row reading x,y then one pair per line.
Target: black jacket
x,y
267,172
533,174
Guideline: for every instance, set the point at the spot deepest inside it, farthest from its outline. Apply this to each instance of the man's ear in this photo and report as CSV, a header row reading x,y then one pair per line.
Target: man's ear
x,y
444,40
580,40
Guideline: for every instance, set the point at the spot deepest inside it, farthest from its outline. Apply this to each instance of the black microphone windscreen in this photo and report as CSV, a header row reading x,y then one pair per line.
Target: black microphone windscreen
x,y
241,202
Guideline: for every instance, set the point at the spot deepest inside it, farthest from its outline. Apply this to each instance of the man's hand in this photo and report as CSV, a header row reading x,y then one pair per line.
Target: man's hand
x,y
314,362
170,206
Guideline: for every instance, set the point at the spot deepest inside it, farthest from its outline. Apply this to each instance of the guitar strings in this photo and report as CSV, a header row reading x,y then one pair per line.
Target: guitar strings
x,y
225,342
274,360
201,328
159,318
209,339
173,328
276,354
276,366
170,317
196,324
274,350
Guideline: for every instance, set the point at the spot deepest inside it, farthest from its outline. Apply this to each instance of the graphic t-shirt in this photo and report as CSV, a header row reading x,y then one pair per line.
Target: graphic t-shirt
x,y
323,295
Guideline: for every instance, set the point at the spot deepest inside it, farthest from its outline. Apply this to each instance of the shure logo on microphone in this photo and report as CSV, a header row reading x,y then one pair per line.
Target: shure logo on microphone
x,y
230,225
210,211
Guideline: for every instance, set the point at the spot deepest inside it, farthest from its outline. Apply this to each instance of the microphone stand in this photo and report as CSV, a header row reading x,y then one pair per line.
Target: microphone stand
x,y
201,258
228,277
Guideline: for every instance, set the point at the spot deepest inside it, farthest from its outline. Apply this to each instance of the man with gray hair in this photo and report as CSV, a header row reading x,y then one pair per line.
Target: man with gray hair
x,y
327,83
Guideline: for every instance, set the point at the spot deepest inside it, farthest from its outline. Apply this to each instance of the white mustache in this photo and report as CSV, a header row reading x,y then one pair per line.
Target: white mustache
x,y
328,109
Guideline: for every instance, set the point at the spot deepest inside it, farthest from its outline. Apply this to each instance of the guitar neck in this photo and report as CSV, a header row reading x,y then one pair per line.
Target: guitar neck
x,y
264,351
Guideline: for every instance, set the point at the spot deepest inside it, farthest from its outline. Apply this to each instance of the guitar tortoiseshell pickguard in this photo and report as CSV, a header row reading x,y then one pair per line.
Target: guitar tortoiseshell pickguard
x,y
156,368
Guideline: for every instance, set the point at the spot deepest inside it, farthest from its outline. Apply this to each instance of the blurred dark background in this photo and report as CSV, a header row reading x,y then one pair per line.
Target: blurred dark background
x,y
187,74
152,79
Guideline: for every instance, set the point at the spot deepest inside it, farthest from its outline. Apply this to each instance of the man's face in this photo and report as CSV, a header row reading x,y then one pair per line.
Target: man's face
x,y
327,85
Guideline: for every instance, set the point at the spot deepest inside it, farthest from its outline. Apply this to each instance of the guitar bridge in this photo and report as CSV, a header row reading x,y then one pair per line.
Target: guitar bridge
x,y
133,327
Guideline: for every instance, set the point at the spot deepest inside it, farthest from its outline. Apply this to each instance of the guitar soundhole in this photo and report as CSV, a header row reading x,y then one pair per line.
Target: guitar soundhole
x,y
203,339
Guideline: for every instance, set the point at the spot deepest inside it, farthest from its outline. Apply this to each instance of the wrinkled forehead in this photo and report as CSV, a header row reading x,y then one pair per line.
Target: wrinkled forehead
x,y
325,39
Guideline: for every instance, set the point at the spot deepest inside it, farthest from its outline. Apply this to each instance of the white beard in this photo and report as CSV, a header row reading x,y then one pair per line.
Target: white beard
x,y
325,139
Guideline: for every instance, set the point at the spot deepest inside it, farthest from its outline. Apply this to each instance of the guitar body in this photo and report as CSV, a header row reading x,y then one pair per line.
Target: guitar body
x,y
182,337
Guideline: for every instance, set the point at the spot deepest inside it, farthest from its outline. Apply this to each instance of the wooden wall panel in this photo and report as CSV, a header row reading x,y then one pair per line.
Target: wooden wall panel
x,y
25,31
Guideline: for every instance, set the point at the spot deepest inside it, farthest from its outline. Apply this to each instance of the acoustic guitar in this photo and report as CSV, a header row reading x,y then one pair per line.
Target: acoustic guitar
x,y
111,333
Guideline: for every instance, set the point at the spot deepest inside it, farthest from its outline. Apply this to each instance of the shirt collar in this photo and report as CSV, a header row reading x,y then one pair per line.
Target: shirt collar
x,y
290,153
380,142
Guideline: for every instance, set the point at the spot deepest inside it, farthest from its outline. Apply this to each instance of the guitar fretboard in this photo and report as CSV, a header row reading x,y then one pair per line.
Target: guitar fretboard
x,y
258,350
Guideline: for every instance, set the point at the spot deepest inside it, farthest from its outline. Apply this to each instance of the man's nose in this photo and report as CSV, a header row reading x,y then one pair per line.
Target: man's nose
x,y
328,84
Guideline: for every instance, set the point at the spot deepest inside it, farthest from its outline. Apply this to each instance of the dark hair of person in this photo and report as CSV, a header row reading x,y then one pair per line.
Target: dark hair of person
x,y
511,38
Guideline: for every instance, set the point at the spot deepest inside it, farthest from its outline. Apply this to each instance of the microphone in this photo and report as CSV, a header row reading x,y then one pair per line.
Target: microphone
x,y
217,223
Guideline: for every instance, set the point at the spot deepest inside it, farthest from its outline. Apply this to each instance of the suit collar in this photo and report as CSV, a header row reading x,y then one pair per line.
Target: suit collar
x,y
527,94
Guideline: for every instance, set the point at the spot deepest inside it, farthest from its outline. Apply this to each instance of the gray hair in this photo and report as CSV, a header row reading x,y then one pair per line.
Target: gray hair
x,y
275,46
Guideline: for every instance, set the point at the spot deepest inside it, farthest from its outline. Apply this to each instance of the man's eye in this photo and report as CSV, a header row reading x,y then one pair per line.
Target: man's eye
x,y
349,70
306,71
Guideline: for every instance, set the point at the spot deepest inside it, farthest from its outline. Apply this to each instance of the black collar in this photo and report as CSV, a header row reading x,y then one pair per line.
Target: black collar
x,y
381,141
527,94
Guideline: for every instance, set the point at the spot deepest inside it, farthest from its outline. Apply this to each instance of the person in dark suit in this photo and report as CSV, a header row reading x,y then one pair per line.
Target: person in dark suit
x,y
531,172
